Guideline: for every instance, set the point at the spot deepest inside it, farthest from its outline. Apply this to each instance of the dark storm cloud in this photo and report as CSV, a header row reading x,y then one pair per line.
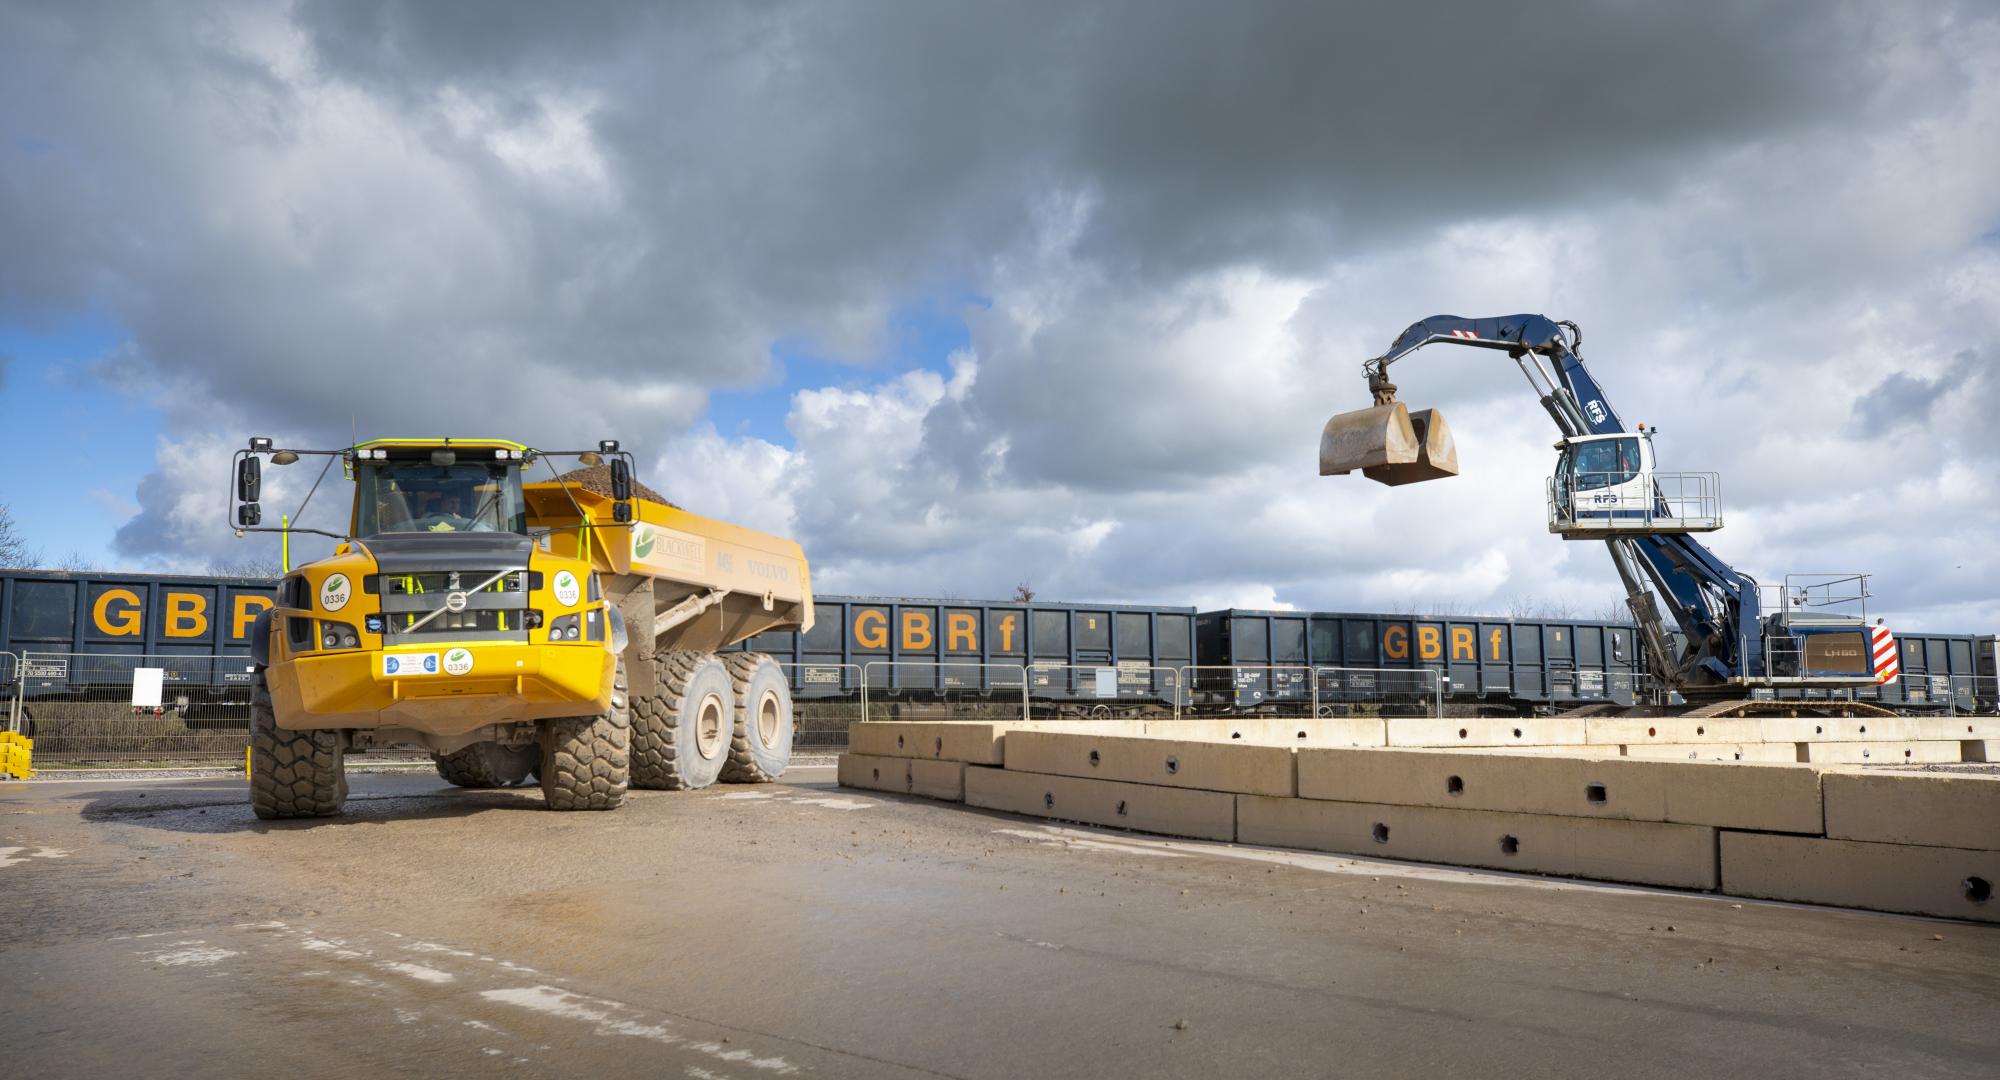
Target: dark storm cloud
x,y
1187,223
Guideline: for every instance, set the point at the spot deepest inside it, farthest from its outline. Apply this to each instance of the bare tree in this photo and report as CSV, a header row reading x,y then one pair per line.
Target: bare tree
x,y
266,569
15,554
1024,593
75,563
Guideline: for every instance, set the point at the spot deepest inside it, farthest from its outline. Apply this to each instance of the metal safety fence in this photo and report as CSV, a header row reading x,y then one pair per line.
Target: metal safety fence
x,y
1275,690
91,708
943,690
825,699
1339,691
1058,691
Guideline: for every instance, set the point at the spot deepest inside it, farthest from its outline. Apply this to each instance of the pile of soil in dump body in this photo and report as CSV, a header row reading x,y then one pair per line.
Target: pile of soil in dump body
x,y
598,478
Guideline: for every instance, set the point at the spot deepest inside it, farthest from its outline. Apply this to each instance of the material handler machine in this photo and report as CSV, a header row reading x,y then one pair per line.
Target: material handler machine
x,y
562,630
1739,647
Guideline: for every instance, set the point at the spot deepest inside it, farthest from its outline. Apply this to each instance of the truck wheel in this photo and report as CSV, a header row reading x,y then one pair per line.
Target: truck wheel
x,y
487,765
680,736
293,774
761,746
586,760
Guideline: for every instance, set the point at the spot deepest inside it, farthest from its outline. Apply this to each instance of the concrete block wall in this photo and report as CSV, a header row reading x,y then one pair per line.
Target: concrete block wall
x,y
1920,843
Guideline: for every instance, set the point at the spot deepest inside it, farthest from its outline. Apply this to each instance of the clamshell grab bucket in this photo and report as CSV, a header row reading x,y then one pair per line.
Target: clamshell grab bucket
x,y
1389,444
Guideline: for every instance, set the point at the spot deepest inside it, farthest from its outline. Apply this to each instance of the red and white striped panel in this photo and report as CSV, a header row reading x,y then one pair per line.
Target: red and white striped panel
x,y
1465,334
1888,666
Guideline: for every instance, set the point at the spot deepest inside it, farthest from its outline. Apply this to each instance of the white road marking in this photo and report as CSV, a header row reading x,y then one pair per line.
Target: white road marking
x,y
1303,860
195,953
739,795
417,971
11,856
617,1018
835,804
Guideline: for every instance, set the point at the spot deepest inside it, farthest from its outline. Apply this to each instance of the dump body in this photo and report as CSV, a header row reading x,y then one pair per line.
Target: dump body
x,y
681,581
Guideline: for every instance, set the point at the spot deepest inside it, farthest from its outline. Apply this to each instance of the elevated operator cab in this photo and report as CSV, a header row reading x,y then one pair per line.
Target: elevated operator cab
x,y
1607,484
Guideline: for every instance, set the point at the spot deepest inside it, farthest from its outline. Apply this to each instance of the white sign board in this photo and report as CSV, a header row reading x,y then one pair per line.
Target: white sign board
x,y
147,684
1107,682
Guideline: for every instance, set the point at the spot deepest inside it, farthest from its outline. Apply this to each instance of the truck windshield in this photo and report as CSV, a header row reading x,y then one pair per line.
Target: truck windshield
x,y
1606,462
417,496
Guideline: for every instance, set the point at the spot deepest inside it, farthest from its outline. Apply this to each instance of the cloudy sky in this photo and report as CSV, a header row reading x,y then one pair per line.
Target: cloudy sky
x,y
962,295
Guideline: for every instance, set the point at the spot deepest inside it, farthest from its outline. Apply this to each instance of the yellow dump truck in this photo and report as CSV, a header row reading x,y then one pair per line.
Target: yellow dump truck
x,y
563,630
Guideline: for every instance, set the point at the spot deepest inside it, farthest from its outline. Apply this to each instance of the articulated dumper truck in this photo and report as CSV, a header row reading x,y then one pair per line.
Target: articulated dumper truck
x,y
562,630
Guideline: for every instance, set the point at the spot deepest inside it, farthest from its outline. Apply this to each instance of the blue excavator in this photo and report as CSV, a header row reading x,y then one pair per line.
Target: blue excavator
x,y
1736,647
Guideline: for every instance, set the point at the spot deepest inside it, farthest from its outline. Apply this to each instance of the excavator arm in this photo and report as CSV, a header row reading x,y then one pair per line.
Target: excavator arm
x,y
1715,606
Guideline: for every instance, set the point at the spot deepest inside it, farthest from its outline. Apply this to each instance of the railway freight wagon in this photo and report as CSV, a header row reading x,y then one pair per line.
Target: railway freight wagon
x,y
1339,657
963,648
1940,671
76,632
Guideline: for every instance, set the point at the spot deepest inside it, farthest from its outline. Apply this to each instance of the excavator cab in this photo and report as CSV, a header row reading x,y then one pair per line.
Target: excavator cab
x,y
1389,444
1607,484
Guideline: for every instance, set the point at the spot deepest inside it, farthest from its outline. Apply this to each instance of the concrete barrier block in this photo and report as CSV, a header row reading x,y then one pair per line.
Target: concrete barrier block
x,y
1925,809
1782,752
975,741
1878,753
1201,815
1845,729
1649,853
1979,750
1744,795
944,740
1331,731
1950,882
1207,766
874,773
1670,729
1966,728
1549,731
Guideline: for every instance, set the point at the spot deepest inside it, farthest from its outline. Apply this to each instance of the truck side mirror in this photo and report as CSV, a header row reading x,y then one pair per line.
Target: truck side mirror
x,y
249,478
621,512
249,514
621,479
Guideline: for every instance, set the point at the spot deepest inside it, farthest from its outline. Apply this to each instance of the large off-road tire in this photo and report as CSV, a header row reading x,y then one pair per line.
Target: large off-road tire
x,y
680,736
293,774
487,765
586,760
761,746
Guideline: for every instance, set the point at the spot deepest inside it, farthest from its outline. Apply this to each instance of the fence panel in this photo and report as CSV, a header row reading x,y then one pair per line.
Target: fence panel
x,y
86,708
1104,691
1277,690
1339,691
825,699
943,690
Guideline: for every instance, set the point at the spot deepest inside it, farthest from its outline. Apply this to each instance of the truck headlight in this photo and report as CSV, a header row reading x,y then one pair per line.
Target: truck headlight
x,y
333,635
567,627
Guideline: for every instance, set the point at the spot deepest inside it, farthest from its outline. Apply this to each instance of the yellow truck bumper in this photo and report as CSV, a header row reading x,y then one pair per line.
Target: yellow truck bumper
x,y
504,682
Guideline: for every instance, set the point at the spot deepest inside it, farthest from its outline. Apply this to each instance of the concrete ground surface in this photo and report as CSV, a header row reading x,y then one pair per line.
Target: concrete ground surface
x,y
157,929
